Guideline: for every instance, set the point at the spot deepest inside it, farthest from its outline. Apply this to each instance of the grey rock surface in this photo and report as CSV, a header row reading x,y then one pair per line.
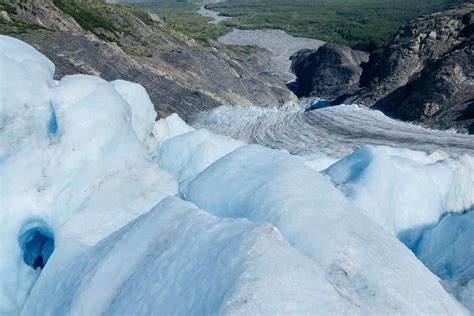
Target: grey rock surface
x,y
415,46
442,96
181,75
424,73
329,72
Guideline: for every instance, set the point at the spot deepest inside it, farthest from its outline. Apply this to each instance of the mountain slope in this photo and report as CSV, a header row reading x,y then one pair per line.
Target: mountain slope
x,y
120,42
424,73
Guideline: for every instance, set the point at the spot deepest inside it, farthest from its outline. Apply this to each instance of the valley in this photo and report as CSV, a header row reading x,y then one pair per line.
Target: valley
x,y
246,157
360,24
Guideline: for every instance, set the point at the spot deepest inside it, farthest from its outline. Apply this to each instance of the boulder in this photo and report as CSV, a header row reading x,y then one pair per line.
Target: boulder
x,y
442,96
328,72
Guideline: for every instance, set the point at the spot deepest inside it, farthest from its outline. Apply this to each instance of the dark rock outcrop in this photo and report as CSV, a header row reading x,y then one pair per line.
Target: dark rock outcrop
x,y
424,73
180,74
441,96
328,72
414,47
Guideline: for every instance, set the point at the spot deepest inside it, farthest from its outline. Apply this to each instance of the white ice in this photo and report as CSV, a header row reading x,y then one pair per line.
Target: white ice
x,y
317,161
86,176
265,185
335,131
170,127
73,161
179,260
403,190
186,155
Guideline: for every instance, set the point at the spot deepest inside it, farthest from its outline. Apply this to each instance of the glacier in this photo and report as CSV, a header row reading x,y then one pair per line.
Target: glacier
x,y
265,185
446,249
186,261
73,163
306,128
106,211
188,154
421,187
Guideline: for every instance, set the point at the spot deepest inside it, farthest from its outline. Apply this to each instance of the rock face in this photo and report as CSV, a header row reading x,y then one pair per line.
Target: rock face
x,y
180,74
329,72
424,73
415,46
441,96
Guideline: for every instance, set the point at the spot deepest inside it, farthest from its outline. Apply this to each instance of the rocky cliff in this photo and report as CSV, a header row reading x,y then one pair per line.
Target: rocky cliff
x,y
329,72
424,73
120,42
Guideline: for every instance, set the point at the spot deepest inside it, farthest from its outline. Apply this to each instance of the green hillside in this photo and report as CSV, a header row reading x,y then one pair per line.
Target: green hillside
x,y
182,17
363,24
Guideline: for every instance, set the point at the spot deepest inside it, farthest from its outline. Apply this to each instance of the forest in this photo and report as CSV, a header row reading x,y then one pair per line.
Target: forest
x,y
361,24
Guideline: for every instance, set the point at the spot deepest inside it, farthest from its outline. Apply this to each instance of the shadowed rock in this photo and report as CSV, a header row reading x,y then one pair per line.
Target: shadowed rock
x,y
329,72
180,74
424,73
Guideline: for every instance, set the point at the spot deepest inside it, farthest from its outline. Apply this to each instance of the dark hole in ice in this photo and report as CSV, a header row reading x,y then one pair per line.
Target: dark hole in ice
x,y
37,244
53,122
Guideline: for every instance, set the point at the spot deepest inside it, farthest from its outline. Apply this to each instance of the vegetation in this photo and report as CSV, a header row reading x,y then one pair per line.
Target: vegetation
x,y
111,23
88,17
182,17
12,25
15,27
361,24
7,7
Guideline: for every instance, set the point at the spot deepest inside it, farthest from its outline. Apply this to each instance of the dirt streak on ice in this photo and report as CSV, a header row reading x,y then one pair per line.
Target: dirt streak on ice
x,y
335,131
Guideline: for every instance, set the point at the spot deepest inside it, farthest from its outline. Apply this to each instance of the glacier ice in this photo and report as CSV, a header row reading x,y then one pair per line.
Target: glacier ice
x,y
170,127
335,131
318,161
265,185
427,200
463,290
89,224
447,249
143,112
179,260
37,244
403,190
186,155
84,177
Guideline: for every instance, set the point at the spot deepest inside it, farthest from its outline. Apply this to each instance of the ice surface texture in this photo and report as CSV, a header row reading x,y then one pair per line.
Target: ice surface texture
x,y
177,259
335,131
265,185
186,155
87,173
72,155
448,250
403,190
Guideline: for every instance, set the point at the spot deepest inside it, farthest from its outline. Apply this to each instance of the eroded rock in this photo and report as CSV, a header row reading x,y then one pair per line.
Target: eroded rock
x,y
424,73
328,72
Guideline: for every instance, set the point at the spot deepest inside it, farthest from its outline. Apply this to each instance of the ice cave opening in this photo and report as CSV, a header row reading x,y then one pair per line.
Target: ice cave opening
x,y
37,244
